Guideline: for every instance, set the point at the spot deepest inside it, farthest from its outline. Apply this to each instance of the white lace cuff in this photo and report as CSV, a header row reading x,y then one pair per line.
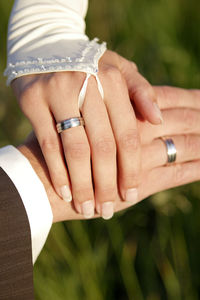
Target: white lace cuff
x,y
49,36
81,55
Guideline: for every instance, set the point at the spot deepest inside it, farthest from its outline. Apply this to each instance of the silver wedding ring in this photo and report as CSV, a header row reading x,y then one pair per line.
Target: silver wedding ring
x,y
69,123
171,150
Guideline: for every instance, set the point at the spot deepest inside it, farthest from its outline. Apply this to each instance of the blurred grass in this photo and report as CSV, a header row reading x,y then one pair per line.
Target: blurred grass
x,y
151,251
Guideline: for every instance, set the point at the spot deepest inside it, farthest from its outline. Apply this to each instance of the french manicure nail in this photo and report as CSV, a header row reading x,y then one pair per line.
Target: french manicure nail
x,y
107,210
66,193
88,209
158,112
132,195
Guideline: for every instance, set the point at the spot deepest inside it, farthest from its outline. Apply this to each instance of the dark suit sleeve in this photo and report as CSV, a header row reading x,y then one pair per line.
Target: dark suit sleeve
x,y
16,268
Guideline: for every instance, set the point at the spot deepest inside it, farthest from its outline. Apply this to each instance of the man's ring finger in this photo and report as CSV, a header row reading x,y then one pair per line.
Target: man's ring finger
x,y
171,150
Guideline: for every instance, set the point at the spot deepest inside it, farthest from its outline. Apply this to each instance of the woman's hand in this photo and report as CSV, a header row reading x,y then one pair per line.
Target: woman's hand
x,y
181,111
104,154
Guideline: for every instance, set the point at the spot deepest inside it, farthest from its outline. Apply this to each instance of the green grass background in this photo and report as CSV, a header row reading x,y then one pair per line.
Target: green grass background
x,y
151,251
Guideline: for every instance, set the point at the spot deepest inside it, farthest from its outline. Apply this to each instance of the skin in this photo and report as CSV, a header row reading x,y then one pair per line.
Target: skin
x,y
82,158
181,113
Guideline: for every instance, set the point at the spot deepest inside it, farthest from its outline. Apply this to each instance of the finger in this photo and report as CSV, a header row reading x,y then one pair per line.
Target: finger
x,y
52,150
173,97
144,97
140,91
169,177
124,125
176,121
103,150
155,154
77,154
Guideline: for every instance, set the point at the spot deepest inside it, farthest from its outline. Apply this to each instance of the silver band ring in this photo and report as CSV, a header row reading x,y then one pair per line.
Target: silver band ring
x,y
171,150
70,123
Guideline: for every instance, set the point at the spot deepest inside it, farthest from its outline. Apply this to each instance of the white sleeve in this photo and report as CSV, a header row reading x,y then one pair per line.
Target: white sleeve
x,y
49,35
32,193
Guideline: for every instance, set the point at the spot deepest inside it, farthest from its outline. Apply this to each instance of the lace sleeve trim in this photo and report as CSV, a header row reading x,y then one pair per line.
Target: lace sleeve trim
x,y
85,59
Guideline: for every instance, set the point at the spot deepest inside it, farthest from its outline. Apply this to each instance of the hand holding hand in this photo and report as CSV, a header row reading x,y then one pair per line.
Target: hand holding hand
x,y
89,161
181,112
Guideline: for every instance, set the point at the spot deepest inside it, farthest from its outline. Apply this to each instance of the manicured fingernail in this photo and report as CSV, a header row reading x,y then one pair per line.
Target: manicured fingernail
x,y
158,112
88,209
66,193
132,196
107,210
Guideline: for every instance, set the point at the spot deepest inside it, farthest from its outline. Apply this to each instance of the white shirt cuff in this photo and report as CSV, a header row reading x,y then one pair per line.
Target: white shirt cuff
x,y
32,193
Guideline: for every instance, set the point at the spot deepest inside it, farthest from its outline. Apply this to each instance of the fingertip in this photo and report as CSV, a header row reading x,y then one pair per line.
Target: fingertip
x,y
152,114
65,193
145,100
107,210
131,195
88,209
158,114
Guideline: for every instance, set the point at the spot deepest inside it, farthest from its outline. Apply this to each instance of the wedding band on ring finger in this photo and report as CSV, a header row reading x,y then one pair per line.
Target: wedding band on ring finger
x,y
69,123
171,150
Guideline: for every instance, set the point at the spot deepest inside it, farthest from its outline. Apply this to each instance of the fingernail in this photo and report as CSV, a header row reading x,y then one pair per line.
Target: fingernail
x,y
132,196
66,193
158,112
107,210
88,209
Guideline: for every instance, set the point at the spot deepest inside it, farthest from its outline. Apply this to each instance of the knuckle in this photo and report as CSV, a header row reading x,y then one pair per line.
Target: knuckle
x,y
113,75
30,97
179,174
192,144
64,82
190,120
195,92
56,80
130,141
134,66
78,150
163,93
80,76
168,93
143,90
49,144
105,146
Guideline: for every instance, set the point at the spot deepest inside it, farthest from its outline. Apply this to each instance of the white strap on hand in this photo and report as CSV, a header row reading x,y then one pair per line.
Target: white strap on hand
x,y
82,93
